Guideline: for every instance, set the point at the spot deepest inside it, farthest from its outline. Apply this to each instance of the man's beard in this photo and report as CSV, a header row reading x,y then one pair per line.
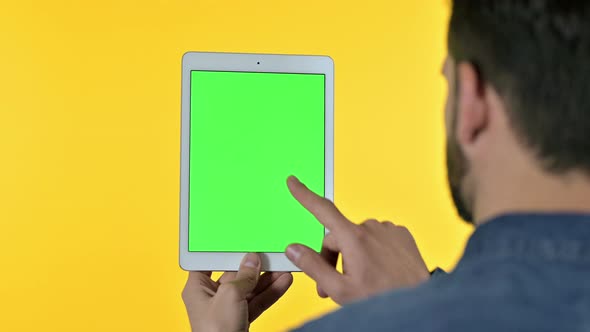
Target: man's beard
x,y
457,168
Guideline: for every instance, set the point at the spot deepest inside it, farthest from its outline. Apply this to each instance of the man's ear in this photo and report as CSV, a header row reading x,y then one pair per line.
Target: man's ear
x,y
472,112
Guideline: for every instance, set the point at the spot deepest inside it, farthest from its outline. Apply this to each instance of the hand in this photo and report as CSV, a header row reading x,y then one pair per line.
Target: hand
x,y
375,256
236,299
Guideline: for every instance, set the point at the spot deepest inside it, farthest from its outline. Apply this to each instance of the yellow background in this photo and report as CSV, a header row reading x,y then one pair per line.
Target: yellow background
x,y
89,144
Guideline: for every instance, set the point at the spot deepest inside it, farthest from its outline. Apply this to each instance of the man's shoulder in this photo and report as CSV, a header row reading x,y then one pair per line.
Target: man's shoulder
x,y
430,307
449,303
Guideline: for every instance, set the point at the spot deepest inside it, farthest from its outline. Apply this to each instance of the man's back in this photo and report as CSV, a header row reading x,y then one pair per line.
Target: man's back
x,y
518,273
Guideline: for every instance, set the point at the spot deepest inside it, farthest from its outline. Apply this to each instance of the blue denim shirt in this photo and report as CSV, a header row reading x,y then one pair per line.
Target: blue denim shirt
x,y
522,272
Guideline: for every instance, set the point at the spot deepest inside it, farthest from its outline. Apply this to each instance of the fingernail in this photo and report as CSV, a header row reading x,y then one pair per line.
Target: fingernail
x,y
293,252
251,260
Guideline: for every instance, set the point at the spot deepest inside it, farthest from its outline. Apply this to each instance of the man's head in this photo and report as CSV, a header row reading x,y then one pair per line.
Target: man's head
x,y
519,95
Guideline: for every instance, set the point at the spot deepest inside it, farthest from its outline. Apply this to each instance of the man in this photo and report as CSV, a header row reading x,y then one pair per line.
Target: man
x,y
518,152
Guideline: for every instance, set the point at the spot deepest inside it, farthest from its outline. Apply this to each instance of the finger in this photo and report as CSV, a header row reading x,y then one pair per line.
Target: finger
x,y
329,253
330,250
269,296
245,280
370,223
227,277
323,209
312,264
199,278
198,286
373,226
264,282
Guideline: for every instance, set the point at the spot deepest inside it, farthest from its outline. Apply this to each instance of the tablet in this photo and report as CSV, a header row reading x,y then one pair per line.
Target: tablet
x,y
248,122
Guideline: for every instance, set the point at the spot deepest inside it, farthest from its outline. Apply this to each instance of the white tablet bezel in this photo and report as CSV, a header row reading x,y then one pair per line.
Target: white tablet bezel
x,y
229,261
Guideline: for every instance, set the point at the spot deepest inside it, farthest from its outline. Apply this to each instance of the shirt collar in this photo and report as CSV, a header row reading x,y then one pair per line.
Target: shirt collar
x,y
550,237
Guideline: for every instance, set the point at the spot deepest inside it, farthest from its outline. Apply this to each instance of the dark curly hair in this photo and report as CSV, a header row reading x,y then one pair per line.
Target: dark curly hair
x,y
536,54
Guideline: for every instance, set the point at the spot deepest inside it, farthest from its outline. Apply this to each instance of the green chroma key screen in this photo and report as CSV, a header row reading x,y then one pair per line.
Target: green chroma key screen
x,y
249,132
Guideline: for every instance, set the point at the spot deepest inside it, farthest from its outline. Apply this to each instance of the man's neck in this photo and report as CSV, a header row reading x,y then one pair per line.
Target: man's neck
x,y
534,191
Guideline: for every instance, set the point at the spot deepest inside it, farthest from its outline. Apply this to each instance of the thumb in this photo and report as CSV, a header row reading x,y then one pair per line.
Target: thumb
x,y
248,275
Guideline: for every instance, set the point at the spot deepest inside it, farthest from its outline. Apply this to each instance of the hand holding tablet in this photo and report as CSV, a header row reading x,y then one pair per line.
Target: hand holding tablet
x,y
249,121
376,256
